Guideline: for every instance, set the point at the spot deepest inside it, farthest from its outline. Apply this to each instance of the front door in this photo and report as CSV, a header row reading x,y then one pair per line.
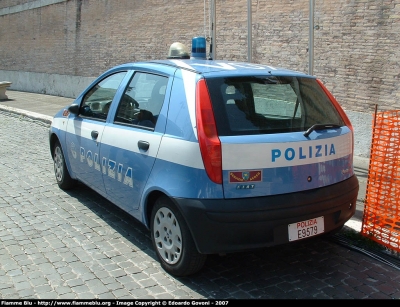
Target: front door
x,y
84,131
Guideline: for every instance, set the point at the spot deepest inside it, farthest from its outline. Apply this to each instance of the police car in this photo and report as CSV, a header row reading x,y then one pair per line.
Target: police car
x,y
213,157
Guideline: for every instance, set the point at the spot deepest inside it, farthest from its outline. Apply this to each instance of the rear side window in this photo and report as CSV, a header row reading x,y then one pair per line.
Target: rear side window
x,y
142,101
262,105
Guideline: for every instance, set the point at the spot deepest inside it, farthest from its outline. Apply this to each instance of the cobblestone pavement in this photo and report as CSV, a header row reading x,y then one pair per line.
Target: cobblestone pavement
x,y
77,245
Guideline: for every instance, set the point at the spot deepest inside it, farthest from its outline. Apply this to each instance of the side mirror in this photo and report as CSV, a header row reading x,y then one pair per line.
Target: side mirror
x,y
74,109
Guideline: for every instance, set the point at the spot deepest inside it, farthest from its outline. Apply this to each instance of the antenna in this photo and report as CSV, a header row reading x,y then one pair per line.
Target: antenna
x,y
213,44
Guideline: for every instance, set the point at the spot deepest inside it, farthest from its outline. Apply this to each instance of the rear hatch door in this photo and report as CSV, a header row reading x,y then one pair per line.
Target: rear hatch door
x,y
279,134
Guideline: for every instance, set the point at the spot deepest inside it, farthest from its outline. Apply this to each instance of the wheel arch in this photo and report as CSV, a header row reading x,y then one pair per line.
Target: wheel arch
x,y
149,205
52,141
150,202
190,260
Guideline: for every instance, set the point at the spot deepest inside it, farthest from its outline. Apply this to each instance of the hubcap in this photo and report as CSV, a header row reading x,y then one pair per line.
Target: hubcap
x,y
167,235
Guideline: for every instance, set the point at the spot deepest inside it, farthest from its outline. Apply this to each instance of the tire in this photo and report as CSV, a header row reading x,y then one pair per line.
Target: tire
x,y
172,240
63,177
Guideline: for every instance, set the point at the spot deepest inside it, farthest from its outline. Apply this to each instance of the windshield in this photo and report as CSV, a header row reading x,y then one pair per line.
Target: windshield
x,y
262,105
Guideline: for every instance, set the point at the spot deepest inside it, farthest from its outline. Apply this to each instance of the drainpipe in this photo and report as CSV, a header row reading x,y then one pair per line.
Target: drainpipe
x,y
249,32
311,40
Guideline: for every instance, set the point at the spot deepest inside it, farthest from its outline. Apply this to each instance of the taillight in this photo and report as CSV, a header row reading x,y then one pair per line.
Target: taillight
x,y
210,145
339,109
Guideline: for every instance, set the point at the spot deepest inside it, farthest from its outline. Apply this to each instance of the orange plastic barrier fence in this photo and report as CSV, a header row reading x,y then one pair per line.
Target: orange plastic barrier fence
x,y
381,220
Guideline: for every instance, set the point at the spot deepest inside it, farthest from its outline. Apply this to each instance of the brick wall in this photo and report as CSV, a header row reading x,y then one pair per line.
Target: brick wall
x,y
356,46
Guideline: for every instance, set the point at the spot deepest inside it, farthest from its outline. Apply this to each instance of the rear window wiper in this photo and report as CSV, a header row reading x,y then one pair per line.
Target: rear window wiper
x,y
320,127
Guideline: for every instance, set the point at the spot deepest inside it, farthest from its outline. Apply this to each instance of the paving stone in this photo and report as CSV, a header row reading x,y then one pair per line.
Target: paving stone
x,y
43,289
386,288
121,293
141,294
6,285
156,290
75,282
147,282
14,272
100,289
24,285
164,296
62,289
115,273
81,288
87,276
116,286
60,245
106,296
26,293
68,296
20,278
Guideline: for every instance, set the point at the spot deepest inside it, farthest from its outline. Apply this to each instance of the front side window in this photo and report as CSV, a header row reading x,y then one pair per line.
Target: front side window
x,y
262,105
96,103
142,101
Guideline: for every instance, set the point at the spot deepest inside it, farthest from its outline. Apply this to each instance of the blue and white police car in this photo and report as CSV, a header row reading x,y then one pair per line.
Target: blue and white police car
x,y
212,156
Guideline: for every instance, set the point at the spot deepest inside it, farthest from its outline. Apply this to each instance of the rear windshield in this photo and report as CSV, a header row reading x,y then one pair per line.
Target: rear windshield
x,y
262,105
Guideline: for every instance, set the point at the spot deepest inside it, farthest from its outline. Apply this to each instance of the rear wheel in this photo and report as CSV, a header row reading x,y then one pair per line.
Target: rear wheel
x,y
63,178
172,240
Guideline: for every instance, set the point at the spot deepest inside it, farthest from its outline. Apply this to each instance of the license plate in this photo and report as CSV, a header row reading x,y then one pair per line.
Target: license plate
x,y
305,229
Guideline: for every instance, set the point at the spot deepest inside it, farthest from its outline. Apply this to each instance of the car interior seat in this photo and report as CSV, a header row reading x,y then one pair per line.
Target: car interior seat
x,y
145,118
158,94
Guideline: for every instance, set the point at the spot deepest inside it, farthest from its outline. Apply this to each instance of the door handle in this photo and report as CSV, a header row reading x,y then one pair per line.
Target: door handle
x,y
94,134
143,145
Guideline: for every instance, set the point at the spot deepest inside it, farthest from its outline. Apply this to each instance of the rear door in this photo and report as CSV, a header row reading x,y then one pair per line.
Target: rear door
x,y
131,140
262,122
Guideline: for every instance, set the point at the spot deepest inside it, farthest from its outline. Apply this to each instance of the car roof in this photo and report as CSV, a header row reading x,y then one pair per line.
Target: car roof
x,y
217,67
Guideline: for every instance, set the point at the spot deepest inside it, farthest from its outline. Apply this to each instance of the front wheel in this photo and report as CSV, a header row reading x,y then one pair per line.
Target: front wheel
x,y
172,240
63,178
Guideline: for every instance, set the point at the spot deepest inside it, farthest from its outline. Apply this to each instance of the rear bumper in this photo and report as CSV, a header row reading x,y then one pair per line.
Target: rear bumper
x,y
230,225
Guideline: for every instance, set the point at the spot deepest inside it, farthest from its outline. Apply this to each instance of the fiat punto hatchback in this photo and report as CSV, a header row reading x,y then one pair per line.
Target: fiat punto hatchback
x,y
212,156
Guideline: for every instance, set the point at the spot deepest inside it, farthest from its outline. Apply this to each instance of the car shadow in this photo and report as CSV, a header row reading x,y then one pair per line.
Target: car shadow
x,y
310,268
